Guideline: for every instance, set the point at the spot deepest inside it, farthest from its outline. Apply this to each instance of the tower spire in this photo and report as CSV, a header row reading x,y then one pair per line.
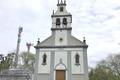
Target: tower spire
x,y
64,1
61,1
58,1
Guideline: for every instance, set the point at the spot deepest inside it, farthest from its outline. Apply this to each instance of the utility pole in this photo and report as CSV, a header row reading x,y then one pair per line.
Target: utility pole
x,y
18,47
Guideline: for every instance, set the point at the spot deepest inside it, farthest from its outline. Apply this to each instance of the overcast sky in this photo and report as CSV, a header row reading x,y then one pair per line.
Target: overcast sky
x,y
97,20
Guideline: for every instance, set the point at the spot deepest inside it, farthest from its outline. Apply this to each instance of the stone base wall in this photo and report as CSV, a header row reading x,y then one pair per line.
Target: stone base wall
x,y
15,75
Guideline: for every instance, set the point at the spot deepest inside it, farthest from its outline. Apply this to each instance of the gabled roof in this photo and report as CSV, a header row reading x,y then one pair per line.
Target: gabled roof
x,y
50,43
74,41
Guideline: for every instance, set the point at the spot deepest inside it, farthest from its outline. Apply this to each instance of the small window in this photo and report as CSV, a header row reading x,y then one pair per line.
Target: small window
x,y
77,59
58,21
44,59
64,21
61,9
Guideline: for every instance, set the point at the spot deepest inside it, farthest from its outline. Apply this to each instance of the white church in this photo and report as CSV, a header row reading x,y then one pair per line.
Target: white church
x,y
61,56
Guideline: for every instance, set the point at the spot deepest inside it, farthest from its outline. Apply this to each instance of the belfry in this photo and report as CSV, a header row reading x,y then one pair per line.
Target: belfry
x,y
61,56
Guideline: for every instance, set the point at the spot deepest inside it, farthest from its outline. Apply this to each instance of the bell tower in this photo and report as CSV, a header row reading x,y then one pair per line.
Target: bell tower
x,y
61,19
61,24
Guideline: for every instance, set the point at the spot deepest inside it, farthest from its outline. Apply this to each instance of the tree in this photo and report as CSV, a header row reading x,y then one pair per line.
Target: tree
x,y
101,72
114,64
28,60
6,62
108,69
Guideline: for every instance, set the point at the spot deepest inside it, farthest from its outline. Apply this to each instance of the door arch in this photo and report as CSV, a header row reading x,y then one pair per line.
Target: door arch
x,y
60,71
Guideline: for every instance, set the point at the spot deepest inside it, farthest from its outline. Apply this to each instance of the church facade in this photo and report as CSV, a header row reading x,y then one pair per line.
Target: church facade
x,y
61,56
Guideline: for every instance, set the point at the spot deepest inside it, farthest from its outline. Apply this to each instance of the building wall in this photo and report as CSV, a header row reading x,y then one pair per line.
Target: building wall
x,y
78,77
67,55
42,69
61,34
60,62
60,55
61,19
77,69
85,63
43,77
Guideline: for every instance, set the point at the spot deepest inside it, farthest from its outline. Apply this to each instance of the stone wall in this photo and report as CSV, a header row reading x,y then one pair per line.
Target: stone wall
x,y
15,75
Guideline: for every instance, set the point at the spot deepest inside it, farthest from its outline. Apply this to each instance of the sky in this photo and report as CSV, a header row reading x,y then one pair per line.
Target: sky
x,y
97,20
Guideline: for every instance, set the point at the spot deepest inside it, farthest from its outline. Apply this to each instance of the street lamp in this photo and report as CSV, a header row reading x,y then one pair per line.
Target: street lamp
x,y
18,46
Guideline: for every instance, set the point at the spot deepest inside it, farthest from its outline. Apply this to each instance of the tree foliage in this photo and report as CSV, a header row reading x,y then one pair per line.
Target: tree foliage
x,y
114,64
6,62
108,69
28,60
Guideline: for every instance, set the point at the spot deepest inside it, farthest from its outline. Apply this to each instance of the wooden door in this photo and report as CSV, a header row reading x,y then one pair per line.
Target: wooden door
x,y
60,74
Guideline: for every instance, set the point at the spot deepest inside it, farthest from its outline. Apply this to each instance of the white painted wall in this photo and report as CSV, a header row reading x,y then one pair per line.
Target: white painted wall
x,y
60,55
61,13
61,34
69,19
60,67
44,68
60,49
77,69
61,19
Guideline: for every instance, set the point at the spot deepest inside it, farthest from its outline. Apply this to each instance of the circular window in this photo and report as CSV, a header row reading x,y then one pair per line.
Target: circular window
x,y
61,39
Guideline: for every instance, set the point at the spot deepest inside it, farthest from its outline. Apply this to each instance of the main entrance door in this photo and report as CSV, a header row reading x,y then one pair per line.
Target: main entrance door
x,y
60,74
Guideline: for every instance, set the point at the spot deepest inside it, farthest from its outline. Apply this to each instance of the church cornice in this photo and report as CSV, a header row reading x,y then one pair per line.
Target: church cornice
x,y
61,28
64,4
76,46
61,15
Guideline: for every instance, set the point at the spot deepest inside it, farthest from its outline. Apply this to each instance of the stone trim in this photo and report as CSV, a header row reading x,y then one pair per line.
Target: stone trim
x,y
61,28
77,46
78,74
69,64
61,64
63,4
52,65
43,74
13,75
62,15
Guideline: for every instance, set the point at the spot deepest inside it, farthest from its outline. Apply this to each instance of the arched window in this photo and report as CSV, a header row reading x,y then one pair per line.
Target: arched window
x,y
58,21
61,9
44,59
64,21
77,59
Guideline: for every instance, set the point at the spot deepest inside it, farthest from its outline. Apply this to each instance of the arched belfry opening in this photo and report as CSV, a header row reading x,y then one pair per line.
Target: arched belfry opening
x,y
61,9
58,22
65,21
